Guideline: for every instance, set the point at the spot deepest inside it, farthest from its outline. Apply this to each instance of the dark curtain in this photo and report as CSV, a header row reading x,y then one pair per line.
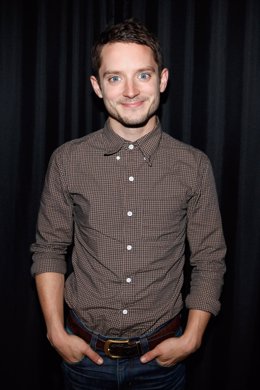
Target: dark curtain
x,y
212,50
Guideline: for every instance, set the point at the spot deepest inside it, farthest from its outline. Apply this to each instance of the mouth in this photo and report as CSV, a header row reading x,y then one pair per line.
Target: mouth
x,y
132,104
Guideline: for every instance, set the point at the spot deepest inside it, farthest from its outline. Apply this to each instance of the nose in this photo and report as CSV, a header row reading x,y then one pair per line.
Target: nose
x,y
130,89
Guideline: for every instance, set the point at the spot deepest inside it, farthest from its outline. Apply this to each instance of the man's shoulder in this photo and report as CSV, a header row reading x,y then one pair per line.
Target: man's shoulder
x,y
91,140
182,149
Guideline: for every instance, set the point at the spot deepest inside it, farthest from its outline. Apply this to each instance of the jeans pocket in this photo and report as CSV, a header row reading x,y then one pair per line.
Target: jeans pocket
x,y
74,363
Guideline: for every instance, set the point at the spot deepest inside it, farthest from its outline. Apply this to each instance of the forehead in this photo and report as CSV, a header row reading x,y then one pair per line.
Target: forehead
x,y
123,56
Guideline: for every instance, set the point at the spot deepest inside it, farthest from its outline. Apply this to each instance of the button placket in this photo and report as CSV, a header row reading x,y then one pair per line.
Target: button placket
x,y
130,228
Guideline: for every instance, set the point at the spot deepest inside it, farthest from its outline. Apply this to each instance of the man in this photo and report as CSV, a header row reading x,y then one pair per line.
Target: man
x,y
128,197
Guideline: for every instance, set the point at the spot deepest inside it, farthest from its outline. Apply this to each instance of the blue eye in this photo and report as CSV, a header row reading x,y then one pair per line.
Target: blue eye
x,y
114,79
144,76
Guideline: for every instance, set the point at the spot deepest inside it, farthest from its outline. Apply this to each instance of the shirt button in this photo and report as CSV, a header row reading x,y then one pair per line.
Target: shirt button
x,y
129,213
128,280
131,147
125,311
118,157
129,247
131,178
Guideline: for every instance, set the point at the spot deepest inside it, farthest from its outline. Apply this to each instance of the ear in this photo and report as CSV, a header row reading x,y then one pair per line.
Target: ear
x,y
164,79
96,87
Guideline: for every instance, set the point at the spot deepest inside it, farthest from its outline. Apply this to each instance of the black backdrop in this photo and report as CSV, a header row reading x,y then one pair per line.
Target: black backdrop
x,y
212,50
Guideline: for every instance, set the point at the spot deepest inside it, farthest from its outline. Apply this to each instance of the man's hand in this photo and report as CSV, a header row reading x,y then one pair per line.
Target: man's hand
x,y
176,349
72,349
169,352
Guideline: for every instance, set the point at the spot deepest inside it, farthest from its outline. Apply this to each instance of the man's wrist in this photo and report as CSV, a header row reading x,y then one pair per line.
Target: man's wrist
x,y
191,342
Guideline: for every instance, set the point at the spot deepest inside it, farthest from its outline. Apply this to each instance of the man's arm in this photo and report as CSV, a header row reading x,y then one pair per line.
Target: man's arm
x,y
207,245
195,329
50,288
54,235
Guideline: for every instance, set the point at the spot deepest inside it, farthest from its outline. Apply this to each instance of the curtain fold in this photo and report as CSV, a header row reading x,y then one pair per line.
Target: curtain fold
x,y
212,49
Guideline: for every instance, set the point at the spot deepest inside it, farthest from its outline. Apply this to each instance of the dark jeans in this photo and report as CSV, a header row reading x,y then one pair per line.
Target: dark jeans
x,y
123,374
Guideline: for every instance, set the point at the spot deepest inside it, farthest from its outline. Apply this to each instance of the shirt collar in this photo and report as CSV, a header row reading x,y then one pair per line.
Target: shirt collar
x,y
148,144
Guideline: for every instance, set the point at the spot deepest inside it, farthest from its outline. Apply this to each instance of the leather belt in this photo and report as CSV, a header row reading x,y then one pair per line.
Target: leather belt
x,y
127,348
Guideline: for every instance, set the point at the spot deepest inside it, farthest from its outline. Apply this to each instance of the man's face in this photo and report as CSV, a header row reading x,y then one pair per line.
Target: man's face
x,y
129,83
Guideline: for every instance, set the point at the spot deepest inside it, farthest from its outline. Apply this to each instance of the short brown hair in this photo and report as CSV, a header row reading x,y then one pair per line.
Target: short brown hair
x,y
129,31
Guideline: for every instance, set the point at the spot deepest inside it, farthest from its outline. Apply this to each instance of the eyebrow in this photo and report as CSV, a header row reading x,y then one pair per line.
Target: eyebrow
x,y
148,68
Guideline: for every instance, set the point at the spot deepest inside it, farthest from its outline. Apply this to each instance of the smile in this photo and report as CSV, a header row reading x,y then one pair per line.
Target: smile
x,y
134,104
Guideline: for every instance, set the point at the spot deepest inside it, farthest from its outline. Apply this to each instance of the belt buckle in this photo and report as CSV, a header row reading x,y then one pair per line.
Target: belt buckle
x,y
107,347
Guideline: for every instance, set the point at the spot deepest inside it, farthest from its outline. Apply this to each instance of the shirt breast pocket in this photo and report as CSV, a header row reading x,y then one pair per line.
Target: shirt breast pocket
x,y
163,218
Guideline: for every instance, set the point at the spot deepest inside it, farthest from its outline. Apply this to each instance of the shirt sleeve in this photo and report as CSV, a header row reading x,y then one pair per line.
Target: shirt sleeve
x,y
54,230
206,243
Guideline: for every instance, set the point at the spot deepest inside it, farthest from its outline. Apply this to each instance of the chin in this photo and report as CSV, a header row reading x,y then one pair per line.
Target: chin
x,y
134,122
